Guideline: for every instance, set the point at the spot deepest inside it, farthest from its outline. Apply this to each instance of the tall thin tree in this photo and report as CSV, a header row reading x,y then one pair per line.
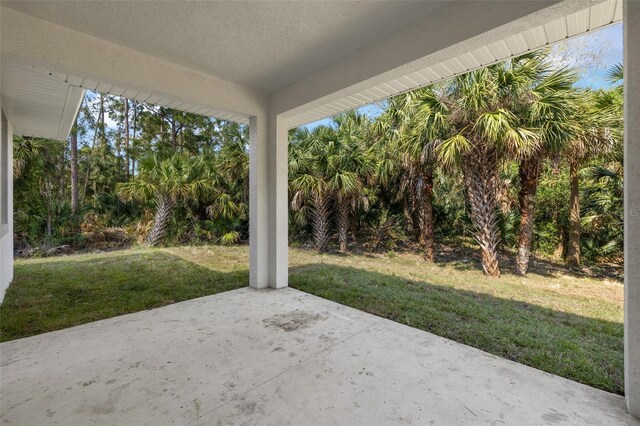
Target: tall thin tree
x,y
74,167
126,135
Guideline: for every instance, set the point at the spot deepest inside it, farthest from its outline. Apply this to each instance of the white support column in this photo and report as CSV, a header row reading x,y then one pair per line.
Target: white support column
x,y
6,203
268,203
632,205
277,177
258,204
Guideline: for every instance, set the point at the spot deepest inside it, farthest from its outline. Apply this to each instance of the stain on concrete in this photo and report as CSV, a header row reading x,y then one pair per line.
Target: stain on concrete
x,y
89,382
106,407
293,320
554,418
197,404
246,408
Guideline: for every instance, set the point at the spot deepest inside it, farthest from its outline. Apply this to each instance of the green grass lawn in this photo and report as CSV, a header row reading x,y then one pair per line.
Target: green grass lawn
x,y
566,325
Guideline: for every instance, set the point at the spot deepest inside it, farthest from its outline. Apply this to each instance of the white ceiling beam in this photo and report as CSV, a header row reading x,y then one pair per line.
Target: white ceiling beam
x,y
436,48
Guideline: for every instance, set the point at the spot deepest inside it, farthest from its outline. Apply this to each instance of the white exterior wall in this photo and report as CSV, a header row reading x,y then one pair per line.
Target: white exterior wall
x,y
632,205
6,204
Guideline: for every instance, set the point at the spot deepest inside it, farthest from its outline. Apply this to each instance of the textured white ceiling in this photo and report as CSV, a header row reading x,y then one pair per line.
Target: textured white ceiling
x,y
273,47
260,44
36,103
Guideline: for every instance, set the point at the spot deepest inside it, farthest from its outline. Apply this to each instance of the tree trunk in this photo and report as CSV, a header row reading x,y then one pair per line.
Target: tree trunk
x,y
89,159
164,208
320,215
406,213
174,136
74,167
559,250
126,136
49,229
135,127
573,246
103,129
427,215
344,213
529,172
480,174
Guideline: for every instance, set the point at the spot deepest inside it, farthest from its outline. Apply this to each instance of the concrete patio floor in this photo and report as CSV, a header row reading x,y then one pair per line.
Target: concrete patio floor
x,y
277,357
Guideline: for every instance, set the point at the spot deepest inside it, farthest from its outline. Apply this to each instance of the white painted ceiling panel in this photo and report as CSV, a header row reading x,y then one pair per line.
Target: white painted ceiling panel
x,y
500,50
536,36
602,14
556,29
36,103
45,90
578,23
617,16
517,43
430,75
456,66
483,55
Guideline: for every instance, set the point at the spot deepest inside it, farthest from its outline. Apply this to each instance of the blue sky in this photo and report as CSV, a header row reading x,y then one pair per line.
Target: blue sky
x,y
609,42
593,53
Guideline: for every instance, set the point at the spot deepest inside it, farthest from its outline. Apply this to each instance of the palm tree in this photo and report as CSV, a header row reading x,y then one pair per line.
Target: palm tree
x,y
594,124
309,184
548,108
167,182
229,201
328,167
349,166
603,204
26,151
406,131
474,112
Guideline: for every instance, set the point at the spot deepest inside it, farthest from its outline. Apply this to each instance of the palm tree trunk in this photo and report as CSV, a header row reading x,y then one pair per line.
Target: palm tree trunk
x,y
74,168
529,172
480,175
320,215
418,213
344,213
406,213
126,136
427,215
49,228
164,208
573,247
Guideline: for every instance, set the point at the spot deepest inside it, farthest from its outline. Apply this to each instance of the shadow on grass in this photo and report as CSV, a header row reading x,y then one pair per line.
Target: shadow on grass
x,y
64,292
467,258
580,348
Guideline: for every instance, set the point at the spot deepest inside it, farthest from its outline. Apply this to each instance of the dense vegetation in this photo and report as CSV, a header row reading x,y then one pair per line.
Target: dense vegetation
x,y
514,155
